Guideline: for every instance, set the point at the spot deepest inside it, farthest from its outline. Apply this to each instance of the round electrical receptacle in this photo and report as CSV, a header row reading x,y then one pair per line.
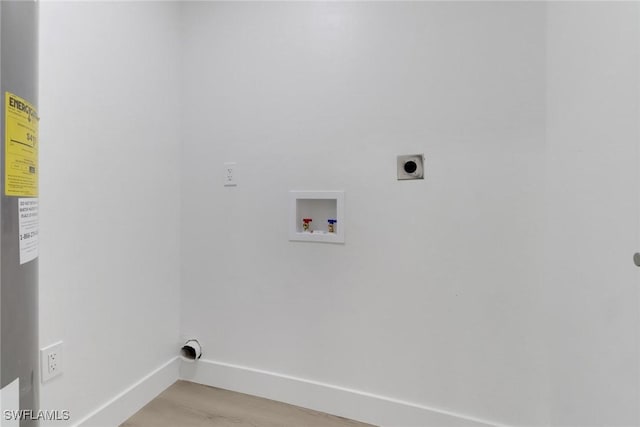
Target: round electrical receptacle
x,y
410,166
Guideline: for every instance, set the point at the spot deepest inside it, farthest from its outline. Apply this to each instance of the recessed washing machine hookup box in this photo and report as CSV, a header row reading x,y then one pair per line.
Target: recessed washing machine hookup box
x,y
316,216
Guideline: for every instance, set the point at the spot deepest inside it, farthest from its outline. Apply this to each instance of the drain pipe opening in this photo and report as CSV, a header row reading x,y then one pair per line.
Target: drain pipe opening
x,y
191,350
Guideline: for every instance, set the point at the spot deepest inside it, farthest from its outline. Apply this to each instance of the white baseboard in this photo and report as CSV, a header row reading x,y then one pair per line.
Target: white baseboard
x,y
344,402
129,401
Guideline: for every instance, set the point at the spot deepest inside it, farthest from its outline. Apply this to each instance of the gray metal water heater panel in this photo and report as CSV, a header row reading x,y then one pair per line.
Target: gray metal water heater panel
x,y
18,283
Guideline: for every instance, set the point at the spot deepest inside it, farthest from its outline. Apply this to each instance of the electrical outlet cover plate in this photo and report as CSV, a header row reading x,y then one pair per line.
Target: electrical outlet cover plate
x,y
411,166
51,361
230,179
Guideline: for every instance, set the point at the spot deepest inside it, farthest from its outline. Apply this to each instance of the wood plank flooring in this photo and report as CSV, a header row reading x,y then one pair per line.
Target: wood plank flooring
x,y
187,404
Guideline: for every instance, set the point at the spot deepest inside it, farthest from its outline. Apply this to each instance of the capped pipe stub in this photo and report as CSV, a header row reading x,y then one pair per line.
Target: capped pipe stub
x,y
191,350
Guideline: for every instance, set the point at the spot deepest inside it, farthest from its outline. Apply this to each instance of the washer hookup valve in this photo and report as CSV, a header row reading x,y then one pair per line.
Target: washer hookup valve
x,y
305,223
332,227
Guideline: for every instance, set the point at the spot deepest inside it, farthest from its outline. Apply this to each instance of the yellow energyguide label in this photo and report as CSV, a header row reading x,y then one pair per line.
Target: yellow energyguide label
x,y
21,147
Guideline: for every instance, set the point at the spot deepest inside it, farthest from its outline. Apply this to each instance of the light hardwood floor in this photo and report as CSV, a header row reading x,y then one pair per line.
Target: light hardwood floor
x,y
187,404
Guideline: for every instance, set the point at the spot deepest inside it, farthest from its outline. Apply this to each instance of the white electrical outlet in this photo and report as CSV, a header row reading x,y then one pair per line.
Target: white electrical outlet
x,y
51,361
230,174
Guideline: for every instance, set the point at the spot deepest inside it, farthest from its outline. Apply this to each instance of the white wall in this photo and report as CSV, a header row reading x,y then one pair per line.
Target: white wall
x,y
436,297
501,287
593,121
110,201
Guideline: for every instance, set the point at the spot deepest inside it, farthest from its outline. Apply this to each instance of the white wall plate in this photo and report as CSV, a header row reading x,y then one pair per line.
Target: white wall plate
x,y
410,166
